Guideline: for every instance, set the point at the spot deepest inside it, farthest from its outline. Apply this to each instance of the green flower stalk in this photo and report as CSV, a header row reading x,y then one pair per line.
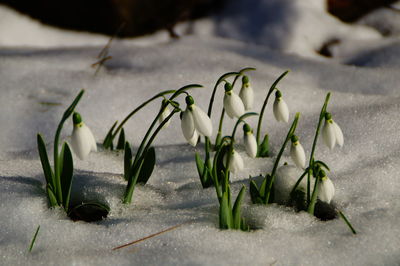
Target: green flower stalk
x,y
114,130
140,168
205,168
262,194
263,146
59,179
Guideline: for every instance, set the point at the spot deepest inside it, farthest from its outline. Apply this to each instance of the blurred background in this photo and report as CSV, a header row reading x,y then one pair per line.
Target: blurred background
x,y
129,18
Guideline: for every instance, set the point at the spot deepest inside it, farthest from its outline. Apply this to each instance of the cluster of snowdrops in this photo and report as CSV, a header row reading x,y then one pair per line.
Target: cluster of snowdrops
x,y
220,156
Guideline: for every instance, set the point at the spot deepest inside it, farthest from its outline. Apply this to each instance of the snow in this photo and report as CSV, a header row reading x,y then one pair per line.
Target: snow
x,y
365,102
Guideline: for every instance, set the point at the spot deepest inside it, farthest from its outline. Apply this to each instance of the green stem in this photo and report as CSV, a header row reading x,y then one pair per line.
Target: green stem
x,y
271,89
311,161
219,133
132,181
288,136
68,112
311,206
161,94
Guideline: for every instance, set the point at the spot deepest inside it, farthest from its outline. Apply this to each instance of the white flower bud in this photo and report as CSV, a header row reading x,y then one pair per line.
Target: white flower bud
x,y
250,142
297,153
280,109
164,115
202,122
195,138
326,190
82,139
232,103
331,132
187,124
247,96
236,162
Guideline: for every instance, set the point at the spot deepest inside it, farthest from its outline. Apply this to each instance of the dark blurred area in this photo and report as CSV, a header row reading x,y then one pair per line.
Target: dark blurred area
x,y
122,17
351,10
128,18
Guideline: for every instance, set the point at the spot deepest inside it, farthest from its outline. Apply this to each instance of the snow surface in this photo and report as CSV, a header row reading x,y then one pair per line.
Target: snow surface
x,y
365,102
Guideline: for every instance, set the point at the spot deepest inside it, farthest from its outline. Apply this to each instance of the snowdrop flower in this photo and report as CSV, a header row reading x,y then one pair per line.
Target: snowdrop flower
x,y
280,108
236,162
194,120
164,115
232,103
195,138
82,140
246,93
297,152
326,189
250,141
331,132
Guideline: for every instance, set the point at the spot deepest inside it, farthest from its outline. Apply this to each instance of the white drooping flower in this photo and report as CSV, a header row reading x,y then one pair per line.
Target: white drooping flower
x,y
297,152
164,115
326,189
195,121
232,103
331,132
195,138
246,94
250,142
235,162
280,108
82,140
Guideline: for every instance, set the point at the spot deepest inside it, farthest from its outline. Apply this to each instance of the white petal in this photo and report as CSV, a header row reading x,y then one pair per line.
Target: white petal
x,y
328,135
298,155
233,105
326,190
164,115
247,96
236,163
338,134
281,110
202,122
250,144
187,124
195,138
82,141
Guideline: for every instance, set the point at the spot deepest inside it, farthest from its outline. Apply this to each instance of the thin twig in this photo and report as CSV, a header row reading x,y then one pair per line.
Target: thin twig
x,y
151,236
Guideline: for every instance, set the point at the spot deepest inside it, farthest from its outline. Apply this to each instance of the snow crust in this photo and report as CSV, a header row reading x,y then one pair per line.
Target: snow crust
x,y
38,84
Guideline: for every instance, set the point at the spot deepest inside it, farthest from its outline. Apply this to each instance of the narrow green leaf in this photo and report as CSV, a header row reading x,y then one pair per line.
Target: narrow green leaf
x,y
263,186
71,108
254,193
121,140
236,211
199,165
34,239
347,222
127,161
66,175
148,166
225,213
107,143
263,148
44,159
52,197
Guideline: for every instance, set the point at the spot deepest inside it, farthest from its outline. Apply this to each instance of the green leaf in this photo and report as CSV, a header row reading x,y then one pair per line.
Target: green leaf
x,y
71,108
148,166
66,174
263,186
121,140
127,160
44,159
225,213
237,209
200,165
34,239
107,143
263,148
254,193
52,198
